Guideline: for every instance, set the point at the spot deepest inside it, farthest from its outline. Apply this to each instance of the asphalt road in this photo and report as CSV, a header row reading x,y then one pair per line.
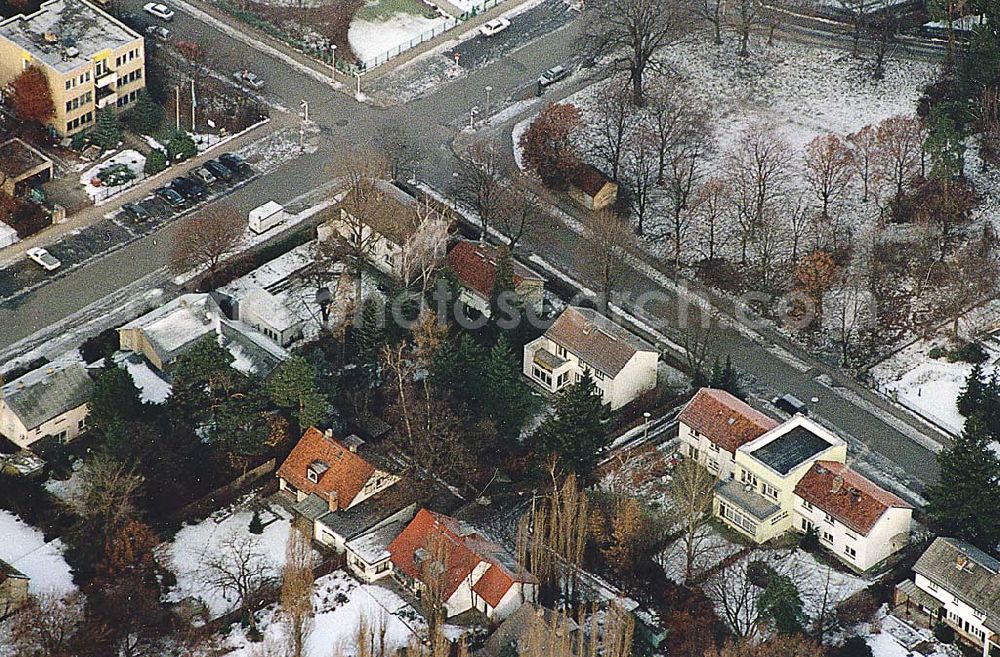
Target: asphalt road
x,y
432,121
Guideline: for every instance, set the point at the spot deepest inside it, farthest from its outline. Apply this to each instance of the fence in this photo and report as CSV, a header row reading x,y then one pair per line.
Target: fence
x,y
102,194
225,494
480,8
427,35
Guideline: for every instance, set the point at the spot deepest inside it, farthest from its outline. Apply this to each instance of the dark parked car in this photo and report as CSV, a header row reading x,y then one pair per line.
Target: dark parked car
x,y
188,188
791,405
219,170
171,197
234,163
136,211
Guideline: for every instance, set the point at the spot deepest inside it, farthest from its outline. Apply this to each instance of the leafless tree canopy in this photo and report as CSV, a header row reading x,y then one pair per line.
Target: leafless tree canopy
x,y
207,238
238,570
482,181
297,580
692,491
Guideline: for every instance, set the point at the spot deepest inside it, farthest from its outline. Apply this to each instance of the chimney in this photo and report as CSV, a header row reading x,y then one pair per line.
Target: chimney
x,y
328,434
961,561
838,484
334,503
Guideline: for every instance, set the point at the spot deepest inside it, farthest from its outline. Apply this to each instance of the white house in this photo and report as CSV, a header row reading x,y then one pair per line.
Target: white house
x,y
266,313
581,339
50,402
856,520
368,554
399,233
714,424
475,266
472,571
958,584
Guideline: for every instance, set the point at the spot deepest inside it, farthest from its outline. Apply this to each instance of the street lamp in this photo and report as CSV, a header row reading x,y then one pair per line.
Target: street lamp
x,y
304,106
645,430
358,75
487,113
472,116
333,59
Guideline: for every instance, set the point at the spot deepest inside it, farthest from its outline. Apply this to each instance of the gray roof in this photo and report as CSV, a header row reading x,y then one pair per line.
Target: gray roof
x,y
967,573
364,516
311,507
48,392
270,309
373,545
175,327
596,340
791,449
750,501
62,24
517,628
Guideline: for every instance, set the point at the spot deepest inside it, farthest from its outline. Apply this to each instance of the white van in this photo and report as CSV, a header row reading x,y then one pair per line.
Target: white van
x,y
266,217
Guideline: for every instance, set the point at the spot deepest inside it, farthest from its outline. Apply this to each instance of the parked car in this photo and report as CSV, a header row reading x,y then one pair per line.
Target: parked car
x,y
790,404
204,176
47,261
188,188
551,76
495,26
219,170
170,196
233,162
249,79
159,10
158,31
137,211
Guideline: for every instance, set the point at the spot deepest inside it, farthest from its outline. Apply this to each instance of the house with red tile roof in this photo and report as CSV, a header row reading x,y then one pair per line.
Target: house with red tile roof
x,y
714,424
581,339
469,570
328,478
475,266
592,189
859,522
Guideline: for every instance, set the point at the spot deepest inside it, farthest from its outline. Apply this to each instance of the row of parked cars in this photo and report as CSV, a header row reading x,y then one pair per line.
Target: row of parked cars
x,y
183,191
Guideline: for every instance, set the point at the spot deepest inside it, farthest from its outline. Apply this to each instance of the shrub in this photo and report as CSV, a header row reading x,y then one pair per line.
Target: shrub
x,y
256,526
107,132
181,147
944,633
146,116
936,352
970,352
810,540
856,646
155,162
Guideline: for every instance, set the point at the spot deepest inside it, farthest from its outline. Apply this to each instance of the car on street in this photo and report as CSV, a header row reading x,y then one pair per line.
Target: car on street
x,y
551,76
495,26
249,79
233,162
219,170
790,404
169,196
204,176
188,188
159,10
47,261
158,31
137,212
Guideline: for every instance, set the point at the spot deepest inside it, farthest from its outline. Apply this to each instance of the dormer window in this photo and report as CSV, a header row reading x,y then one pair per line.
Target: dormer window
x,y
315,470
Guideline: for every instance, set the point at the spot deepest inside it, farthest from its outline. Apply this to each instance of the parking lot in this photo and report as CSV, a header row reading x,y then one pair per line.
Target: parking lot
x,y
107,235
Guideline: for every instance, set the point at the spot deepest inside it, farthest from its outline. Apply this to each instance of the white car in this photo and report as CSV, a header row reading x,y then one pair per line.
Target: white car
x,y
44,258
495,26
249,79
159,10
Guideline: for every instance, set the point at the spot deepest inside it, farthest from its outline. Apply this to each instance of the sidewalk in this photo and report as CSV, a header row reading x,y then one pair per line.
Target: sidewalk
x,y
95,213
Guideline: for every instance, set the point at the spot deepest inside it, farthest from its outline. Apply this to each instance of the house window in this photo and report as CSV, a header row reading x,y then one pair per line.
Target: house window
x,y
931,587
560,351
561,379
714,447
737,518
828,537
828,518
713,464
769,490
807,505
749,478
542,376
382,567
851,552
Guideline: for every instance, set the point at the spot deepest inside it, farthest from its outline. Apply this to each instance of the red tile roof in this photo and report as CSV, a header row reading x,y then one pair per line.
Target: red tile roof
x,y
435,536
589,180
346,471
846,495
725,420
475,264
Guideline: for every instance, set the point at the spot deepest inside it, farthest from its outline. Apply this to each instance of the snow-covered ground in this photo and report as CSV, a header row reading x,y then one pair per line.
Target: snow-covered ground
x,y
370,39
340,603
24,547
185,554
67,489
927,385
134,160
712,549
153,388
890,636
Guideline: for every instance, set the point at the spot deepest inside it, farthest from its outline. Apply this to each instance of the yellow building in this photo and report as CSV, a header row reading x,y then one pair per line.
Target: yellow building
x,y
91,60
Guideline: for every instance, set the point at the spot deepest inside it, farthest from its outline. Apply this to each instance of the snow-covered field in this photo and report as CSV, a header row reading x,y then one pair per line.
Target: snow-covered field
x,y
712,549
186,553
340,603
134,160
370,39
24,547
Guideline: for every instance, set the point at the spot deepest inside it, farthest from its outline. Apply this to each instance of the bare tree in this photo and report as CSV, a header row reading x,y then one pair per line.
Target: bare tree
x,y
46,625
829,169
898,150
713,11
865,143
734,594
847,309
615,122
608,245
682,175
758,170
297,580
521,208
106,499
481,181
692,491
798,214
640,176
206,239
748,15
400,146
710,205
634,31
237,569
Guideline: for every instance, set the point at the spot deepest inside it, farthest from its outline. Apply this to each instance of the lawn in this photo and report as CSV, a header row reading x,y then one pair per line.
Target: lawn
x,y
380,10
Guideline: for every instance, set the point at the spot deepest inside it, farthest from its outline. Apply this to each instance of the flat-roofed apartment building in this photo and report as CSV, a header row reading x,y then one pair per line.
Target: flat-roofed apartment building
x,y
91,60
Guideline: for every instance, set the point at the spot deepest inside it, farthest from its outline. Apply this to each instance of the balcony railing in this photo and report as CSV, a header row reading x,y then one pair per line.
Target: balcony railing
x,y
106,100
105,79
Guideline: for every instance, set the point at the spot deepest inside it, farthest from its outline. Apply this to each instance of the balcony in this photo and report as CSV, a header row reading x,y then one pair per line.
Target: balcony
x,y
106,100
105,80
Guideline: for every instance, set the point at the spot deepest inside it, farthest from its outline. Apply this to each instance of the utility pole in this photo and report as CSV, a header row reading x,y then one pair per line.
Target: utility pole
x,y
305,110
194,104
177,107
